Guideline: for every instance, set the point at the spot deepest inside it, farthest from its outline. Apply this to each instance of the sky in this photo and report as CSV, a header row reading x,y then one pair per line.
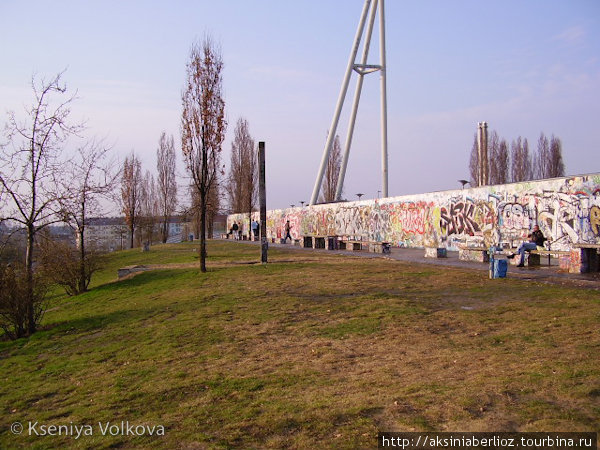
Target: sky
x,y
525,67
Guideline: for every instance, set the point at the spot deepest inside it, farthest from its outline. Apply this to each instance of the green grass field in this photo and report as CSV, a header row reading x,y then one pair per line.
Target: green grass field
x,y
312,350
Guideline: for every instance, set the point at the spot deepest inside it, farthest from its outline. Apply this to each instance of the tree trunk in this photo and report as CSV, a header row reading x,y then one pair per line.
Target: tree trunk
x,y
31,326
165,230
82,274
131,230
203,230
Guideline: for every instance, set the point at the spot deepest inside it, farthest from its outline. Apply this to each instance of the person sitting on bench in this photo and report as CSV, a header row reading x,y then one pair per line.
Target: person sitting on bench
x,y
536,239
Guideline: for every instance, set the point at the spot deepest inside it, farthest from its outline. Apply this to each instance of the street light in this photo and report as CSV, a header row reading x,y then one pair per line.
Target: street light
x,y
302,202
292,205
359,195
463,182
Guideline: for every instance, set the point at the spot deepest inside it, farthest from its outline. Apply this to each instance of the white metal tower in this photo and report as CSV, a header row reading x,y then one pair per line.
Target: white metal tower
x,y
362,68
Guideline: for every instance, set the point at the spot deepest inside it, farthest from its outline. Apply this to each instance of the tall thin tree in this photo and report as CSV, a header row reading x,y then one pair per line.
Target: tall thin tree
x,y
332,172
131,193
242,188
203,125
502,172
556,163
541,158
521,160
149,209
494,162
166,182
474,162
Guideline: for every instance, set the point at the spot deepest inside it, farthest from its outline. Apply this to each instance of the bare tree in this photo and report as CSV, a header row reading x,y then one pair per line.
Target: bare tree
x,y
521,160
28,167
474,162
332,173
166,183
498,154
527,164
87,177
131,193
493,151
203,126
502,166
242,188
148,210
541,158
556,164
548,161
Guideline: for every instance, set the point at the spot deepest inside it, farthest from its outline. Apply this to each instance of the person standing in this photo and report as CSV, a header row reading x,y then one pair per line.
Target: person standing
x,y
255,227
234,228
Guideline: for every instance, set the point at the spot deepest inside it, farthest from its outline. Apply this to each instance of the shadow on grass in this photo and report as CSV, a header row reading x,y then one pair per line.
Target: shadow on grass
x,y
137,289
140,279
94,322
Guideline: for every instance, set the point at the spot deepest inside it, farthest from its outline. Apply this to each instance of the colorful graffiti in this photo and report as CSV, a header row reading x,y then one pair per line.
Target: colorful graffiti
x,y
566,209
595,219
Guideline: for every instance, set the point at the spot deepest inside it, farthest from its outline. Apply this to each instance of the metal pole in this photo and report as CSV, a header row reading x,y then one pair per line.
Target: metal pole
x,y
479,156
340,103
352,121
262,193
384,154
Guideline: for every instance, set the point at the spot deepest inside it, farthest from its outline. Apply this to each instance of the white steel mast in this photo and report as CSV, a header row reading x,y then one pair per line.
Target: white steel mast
x,y
362,69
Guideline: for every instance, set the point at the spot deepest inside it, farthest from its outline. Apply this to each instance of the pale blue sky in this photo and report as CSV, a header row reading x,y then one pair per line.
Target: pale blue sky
x,y
522,66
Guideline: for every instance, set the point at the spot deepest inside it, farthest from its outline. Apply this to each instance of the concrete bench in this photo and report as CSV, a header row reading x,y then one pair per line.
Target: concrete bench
x,y
436,252
313,241
357,245
351,244
584,258
476,254
319,242
533,261
128,270
379,247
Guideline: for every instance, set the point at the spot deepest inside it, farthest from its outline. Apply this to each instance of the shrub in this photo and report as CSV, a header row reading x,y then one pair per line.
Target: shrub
x,y
14,296
62,264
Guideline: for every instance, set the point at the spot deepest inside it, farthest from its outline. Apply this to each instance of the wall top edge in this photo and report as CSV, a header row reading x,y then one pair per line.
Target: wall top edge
x,y
517,186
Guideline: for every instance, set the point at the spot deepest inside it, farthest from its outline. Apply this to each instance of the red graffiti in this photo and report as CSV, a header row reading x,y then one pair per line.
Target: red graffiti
x,y
412,218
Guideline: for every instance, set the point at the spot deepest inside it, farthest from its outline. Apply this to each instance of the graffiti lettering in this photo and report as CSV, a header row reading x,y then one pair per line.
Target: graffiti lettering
x,y
514,217
412,219
459,219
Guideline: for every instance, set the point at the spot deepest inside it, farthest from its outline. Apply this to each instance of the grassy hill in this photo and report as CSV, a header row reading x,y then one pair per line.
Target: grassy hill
x,y
312,350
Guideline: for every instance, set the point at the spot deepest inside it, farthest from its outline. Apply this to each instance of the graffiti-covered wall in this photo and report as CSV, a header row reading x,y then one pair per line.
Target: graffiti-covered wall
x,y
566,209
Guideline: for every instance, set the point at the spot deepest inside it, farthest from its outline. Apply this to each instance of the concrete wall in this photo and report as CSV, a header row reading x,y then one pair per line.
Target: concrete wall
x,y
566,209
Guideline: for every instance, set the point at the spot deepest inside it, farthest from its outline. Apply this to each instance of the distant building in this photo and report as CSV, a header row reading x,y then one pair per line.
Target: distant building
x,y
112,233
107,233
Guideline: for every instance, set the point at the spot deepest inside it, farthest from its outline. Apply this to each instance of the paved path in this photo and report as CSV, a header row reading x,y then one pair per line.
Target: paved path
x,y
543,273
